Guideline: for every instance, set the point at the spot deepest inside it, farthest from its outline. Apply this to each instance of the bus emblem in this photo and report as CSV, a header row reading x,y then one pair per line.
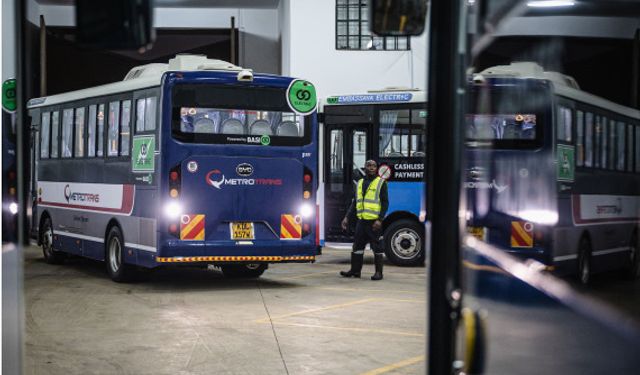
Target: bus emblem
x,y
212,178
67,192
192,166
244,169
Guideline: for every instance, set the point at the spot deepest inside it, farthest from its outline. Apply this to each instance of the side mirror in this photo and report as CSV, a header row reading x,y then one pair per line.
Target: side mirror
x,y
115,24
397,17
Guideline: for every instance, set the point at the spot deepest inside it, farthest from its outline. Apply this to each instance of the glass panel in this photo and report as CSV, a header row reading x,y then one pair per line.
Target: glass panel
x,y
79,138
55,134
598,142
354,13
341,28
354,42
342,42
403,43
612,145
336,163
354,29
564,124
637,149
342,13
588,139
125,129
45,129
91,132
67,133
580,138
620,148
114,129
100,148
359,153
140,105
401,134
605,151
391,43
629,148
150,114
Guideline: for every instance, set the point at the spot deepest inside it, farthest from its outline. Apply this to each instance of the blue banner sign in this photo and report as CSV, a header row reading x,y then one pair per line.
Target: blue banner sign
x,y
370,98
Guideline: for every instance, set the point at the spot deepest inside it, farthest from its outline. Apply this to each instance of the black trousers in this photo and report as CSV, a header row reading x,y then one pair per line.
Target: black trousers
x,y
366,235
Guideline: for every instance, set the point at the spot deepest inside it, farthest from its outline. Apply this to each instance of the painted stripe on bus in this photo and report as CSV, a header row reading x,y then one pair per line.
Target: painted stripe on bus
x,y
600,208
610,251
101,240
111,198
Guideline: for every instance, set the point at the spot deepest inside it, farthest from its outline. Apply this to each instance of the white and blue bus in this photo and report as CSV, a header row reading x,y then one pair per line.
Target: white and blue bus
x,y
388,126
553,172
195,161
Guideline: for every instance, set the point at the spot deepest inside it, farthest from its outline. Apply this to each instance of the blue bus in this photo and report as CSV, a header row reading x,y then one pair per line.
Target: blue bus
x,y
195,161
553,172
388,126
9,166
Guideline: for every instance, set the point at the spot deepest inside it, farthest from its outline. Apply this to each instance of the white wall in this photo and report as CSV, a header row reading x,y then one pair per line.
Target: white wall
x,y
310,53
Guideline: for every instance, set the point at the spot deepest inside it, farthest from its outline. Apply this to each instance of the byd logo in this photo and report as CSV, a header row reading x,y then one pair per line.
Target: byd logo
x,y
244,169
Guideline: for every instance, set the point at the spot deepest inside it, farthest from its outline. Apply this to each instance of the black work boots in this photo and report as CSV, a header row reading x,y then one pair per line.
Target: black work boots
x,y
356,266
379,259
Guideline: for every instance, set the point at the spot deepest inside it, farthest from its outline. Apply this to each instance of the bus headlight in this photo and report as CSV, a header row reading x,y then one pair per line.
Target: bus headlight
x,y
306,210
173,210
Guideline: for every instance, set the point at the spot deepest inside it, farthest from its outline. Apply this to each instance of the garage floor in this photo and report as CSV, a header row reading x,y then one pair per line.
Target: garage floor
x,y
295,319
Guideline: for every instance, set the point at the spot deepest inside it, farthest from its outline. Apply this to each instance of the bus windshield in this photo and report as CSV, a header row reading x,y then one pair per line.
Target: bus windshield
x,y
484,127
210,114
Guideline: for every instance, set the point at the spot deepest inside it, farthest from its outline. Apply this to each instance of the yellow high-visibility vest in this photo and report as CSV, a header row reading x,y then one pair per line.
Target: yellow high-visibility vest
x,y
368,204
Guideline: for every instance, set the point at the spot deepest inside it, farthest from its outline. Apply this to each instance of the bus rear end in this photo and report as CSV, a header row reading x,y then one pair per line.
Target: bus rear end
x,y
239,171
510,176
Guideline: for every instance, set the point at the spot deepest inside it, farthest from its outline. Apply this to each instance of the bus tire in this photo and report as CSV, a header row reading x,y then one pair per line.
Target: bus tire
x,y
51,255
633,271
244,271
403,243
114,257
584,261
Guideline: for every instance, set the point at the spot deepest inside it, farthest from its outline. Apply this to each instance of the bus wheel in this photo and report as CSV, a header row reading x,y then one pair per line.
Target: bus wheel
x,y
634,266
117,269
403,243
584,261
51,255
249,270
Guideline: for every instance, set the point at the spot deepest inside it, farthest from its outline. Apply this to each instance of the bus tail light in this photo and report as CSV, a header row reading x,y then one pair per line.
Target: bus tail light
x,y
307,183
173,209
174,182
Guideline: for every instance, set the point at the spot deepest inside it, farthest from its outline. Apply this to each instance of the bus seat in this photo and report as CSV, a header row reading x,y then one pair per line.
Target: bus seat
x,y
418,153
287,129
260,127
232,126
204,125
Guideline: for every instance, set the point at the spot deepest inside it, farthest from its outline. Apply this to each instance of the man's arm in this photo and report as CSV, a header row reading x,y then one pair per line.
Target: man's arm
x,y
384,200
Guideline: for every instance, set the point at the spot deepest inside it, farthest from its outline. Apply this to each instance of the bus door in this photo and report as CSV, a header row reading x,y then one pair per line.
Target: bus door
x,y
347,146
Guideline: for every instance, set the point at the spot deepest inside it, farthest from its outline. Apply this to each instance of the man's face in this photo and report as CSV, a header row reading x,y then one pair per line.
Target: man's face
x,y
371,167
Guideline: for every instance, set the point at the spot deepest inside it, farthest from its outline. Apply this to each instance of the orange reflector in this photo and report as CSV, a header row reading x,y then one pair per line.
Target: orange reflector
x,y
192,227
521,234
290,227
173,193
306,195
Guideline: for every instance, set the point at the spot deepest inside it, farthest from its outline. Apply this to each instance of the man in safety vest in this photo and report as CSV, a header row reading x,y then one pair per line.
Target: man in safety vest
x,y
369,206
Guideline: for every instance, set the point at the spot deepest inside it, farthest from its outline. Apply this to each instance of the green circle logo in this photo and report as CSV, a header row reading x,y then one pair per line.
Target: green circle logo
x,y
301,96
265,140
9,95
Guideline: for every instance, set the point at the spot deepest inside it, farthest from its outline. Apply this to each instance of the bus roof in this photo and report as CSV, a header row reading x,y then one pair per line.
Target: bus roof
x,y
385,96
145,76
563,85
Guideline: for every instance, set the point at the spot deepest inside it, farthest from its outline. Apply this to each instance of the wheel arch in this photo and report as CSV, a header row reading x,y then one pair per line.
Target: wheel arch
x,y
43,216
398,215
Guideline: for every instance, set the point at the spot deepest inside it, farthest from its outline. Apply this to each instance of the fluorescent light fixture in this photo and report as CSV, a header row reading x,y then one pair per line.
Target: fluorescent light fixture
x,y
550,3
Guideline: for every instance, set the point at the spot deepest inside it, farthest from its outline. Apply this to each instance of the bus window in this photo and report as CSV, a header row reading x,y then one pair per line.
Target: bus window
x,y
140,112
114,127
579,138
336,165
359,153
125,132
629,148
91,132
564,124
401,133
67,133
55,131
150,114
605,135
612,145
45,129
621,143
588,136
79,133
260,127
100,148
597,146
637,149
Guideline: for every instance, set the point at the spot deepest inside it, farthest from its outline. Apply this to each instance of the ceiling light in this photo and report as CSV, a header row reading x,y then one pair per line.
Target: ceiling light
x,y
550,3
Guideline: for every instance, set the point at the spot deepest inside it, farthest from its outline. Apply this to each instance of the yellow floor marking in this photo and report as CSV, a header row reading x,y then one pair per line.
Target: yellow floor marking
x,y
395,366
351,329
369,290
360,301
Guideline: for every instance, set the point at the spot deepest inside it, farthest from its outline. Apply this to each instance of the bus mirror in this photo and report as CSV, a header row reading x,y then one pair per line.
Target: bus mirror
x,y
115,24
397,17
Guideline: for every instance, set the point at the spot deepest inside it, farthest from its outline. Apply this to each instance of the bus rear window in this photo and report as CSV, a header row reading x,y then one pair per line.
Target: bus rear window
x,y
240,122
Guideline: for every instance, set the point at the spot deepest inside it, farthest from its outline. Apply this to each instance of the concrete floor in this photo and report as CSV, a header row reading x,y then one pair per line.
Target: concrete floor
x,y
295,319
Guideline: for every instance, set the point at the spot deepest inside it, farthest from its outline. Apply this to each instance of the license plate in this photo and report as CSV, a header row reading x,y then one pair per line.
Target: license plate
x,y
242,231
477,232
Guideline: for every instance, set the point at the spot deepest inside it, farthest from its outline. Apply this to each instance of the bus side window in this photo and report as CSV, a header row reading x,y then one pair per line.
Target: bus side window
x,y
637,148
55,134
45,132
125,129
100,148
579,138
588,140
79,133
67,133
150,114
564,124
605,149
612,144
114,129
91,132
629,148
621,144
140,113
